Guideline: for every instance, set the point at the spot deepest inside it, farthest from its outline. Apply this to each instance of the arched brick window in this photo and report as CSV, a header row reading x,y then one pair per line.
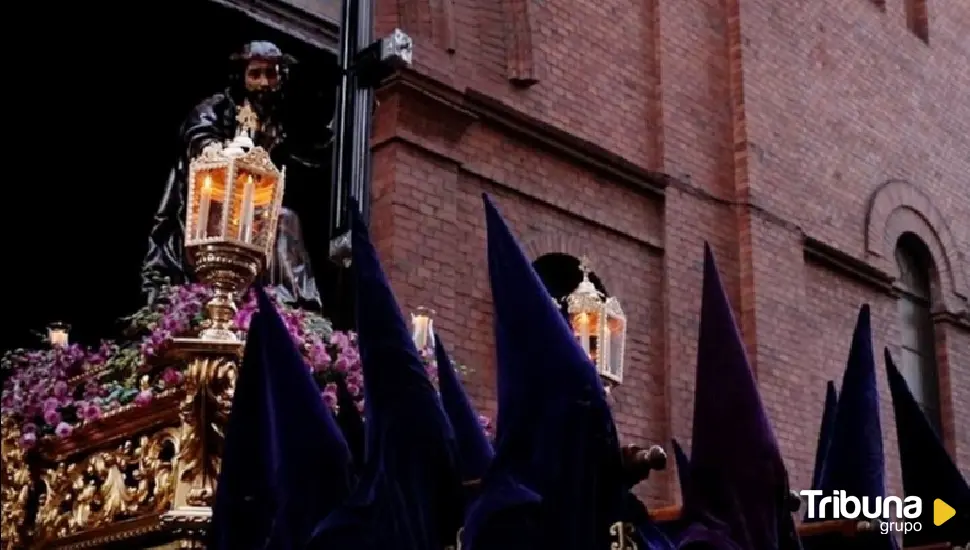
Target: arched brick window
x,y
918,355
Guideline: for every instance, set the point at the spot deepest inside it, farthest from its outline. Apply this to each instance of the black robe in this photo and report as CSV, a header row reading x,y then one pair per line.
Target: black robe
x,y
211,121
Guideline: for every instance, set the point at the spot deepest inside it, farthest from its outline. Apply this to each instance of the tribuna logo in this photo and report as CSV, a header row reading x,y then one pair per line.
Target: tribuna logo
x,y
893,513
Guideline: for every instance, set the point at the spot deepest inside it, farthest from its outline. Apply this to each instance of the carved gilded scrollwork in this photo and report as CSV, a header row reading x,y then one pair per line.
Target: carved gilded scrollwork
x,y
14,486
132,480
204,412
622,535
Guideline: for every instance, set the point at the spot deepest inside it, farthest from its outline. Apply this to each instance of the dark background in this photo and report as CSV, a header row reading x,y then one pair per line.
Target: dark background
x,y
100,95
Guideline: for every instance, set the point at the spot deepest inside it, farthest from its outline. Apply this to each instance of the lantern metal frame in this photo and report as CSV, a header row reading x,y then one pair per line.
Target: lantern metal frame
x,y
229,261
586,299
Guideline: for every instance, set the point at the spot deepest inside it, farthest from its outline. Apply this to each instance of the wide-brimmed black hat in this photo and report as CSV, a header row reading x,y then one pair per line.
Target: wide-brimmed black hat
x,y
261,49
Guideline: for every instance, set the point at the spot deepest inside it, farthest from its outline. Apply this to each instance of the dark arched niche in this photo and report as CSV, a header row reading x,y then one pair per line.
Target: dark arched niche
x,y
561,274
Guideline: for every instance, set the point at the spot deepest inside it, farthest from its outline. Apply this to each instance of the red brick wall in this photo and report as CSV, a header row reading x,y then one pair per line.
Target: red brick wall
x,y
778,124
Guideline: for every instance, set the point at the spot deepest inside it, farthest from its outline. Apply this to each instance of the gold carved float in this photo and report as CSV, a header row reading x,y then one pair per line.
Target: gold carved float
x,y
142,477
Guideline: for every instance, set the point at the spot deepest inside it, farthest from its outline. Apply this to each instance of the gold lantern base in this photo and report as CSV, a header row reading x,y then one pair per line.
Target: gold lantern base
x,y
229,268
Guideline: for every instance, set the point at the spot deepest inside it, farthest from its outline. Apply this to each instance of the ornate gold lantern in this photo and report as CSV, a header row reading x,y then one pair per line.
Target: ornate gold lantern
x,y
600,327
234,199
57,334
422,328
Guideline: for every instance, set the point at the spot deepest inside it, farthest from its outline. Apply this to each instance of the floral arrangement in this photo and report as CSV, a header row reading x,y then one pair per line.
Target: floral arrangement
x,y
53,391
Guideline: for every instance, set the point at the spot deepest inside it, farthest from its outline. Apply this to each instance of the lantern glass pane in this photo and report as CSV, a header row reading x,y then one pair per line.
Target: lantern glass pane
x,y
585,325
252,207
209,203
594,350
616,333
422,331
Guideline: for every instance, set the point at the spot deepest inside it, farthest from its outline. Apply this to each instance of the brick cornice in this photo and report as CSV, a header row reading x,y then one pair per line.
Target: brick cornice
x,y
475,105
828,256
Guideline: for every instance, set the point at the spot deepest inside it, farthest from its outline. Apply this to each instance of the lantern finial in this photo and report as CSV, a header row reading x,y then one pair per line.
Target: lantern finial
x,y
586,290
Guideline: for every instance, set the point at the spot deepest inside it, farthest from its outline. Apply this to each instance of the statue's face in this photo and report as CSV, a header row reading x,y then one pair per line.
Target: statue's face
x,y
262,77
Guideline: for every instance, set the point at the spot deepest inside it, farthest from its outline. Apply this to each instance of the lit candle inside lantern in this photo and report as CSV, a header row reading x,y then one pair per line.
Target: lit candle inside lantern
x,y
204,200
422,329
248,208
58,336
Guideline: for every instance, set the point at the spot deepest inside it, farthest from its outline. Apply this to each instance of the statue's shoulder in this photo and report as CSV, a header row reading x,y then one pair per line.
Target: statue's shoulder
x,y
214,112
212,104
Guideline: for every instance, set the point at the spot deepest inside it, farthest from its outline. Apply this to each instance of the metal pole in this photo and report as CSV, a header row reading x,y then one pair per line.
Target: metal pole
x,y
364,63
363,99
342,128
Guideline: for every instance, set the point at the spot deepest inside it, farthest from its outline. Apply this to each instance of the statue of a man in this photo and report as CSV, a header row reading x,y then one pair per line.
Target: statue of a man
x,y
258,79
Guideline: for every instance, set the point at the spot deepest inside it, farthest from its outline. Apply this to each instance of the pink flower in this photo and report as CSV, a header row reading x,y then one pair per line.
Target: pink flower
x,y
340,340
243,318
63,429
90,412
329,399
354,379
28,440
159,338
29,428
170,323
171,377
52,417
347,361
92,390
342,364
360,406
319,355
353,389
144,397
355,364
51,404
60,388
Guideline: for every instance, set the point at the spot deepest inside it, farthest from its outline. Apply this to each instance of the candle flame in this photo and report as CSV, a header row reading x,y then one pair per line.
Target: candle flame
x,y
207,184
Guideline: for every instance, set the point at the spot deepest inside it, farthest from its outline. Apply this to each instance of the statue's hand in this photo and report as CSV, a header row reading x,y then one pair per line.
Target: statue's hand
x,y
213,147
637,462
